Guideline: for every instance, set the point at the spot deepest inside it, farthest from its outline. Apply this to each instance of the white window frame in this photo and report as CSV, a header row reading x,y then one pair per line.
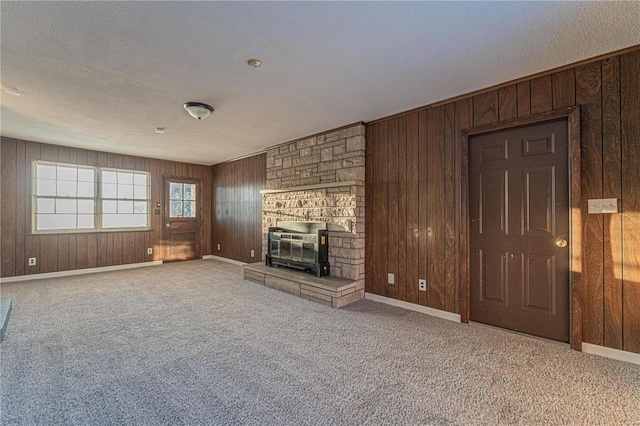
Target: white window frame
x,y
97,200
117,200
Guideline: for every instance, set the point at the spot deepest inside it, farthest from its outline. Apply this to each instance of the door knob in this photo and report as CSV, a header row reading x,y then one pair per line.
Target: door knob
x,y
168,225
561,242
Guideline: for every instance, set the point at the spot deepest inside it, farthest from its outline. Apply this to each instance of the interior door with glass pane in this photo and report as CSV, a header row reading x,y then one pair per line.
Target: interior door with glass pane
x,y
182,219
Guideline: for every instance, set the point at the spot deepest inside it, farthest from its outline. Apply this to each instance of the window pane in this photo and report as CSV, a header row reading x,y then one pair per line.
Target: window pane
x,y
86,206
66,188
125,177
125,206
109,190
189,209
140,192
140,179
175,191
124,220
86,175
46,205
85,221
44,171
175,209
56,221
86,189
140,207
125,191
138,220
65,206
66,221
46,187
109,176
113,221
109,206
45,221
189,192
67,173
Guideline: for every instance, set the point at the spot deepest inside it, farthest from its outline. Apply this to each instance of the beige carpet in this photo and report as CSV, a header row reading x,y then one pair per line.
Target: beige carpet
x,y
193,343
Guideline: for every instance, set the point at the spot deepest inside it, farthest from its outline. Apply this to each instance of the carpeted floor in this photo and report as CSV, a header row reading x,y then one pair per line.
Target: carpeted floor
x,y
193,343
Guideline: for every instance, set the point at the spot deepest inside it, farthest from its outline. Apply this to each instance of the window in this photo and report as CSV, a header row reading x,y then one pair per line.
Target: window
x,y
70,198
64,197
183,199
125,198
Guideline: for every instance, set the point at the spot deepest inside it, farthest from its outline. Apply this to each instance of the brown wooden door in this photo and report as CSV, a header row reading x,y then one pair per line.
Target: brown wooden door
x,y
182,219
519,211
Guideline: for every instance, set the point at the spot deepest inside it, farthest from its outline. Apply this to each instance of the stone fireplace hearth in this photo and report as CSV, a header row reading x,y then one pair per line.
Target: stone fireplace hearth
x,y
321,178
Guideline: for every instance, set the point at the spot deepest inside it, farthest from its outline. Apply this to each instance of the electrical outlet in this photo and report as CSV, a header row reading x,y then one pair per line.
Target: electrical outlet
x,y
422,285
32,261
391,279
253,253
218,247
149,250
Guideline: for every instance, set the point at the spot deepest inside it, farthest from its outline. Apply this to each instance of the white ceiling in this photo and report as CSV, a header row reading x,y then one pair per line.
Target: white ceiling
x,y
103,75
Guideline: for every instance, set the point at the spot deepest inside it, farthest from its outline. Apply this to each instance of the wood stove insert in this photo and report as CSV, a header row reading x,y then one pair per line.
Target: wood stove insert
x,y
299,245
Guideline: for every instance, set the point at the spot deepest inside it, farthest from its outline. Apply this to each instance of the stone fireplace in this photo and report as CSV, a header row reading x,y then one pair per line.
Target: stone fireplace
x,y
321,179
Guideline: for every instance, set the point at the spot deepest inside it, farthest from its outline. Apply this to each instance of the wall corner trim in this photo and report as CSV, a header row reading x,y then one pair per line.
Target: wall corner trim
x,y
616,354
413,307
79,272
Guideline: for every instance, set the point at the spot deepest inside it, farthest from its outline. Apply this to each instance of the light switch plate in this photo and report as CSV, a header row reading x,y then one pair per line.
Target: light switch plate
x,y
603,205
391,279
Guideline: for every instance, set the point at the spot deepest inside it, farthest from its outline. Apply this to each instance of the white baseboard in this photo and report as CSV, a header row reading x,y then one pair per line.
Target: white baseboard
x,y
79,272
224,259
413,307
611,353
207,256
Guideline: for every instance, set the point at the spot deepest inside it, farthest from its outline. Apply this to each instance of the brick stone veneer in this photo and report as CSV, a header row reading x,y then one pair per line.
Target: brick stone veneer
x,y
321,178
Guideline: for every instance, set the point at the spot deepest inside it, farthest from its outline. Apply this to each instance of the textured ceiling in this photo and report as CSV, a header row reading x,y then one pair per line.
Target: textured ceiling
x,y
103,75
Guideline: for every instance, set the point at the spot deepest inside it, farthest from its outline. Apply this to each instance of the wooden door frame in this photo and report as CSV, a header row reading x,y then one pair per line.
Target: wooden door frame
x,y
576,291
165,209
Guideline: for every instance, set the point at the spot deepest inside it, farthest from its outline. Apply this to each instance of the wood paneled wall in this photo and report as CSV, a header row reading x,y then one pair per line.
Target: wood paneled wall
x,y
413,191
61,252
237,205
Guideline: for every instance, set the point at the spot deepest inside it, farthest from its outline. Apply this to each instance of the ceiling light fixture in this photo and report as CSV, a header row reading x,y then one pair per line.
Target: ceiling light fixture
x,y
159,130
13,91
255,63
198,110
